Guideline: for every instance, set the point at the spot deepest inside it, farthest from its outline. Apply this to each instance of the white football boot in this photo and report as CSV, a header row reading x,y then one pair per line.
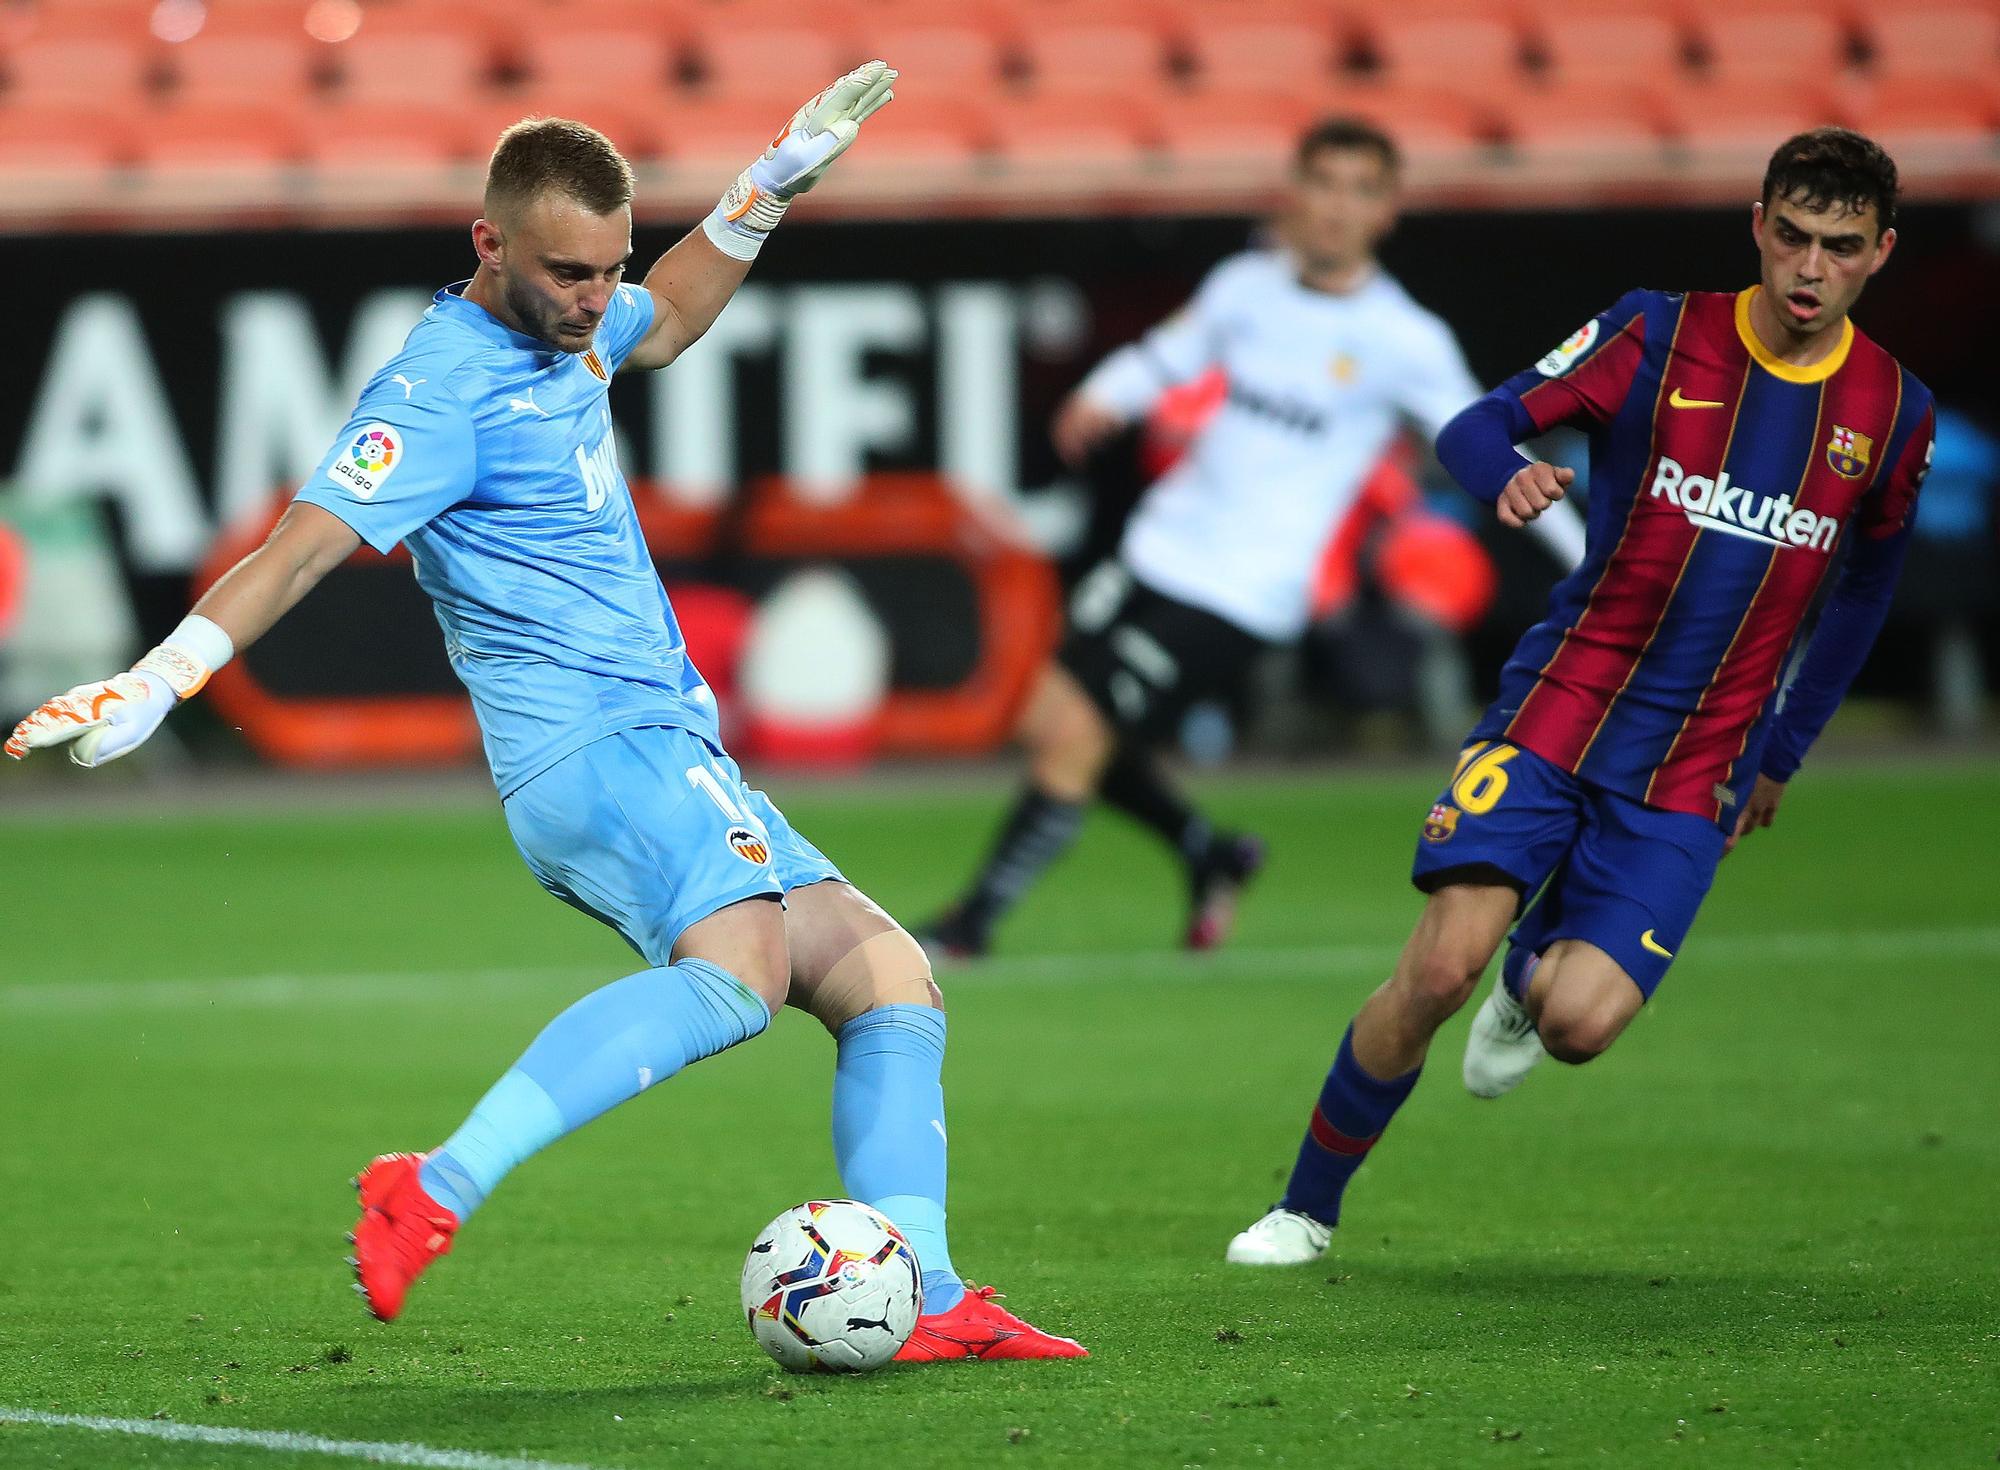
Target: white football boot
x,y
1502,1047
1281,1238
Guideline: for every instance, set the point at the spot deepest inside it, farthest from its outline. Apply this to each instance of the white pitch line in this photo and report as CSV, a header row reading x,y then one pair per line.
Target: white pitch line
x,y
374,1451
338,988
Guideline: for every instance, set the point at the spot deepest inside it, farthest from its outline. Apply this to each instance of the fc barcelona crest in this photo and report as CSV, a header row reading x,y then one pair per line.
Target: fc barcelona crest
x,y
1441,823
596,364
1848,452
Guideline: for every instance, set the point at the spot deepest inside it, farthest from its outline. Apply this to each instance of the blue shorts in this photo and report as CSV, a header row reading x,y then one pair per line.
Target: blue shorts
x,y
1610,870
652,829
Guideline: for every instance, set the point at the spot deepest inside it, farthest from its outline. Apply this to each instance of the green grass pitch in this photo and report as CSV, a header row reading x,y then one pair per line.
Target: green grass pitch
x,y
1760,1232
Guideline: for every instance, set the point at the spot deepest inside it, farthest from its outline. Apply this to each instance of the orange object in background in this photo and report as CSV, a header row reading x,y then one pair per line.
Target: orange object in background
x,y
892,516
13,579
1420,560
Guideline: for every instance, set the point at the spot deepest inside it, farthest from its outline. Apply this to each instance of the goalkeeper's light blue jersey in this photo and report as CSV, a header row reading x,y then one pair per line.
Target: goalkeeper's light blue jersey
x,y
491,456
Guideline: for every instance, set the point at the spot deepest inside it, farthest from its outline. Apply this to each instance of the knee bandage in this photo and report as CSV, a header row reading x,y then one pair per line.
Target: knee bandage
x,y
885,969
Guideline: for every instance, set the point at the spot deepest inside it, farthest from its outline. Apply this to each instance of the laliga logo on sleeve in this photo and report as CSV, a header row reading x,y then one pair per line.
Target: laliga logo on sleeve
x,y
1564,357
367,461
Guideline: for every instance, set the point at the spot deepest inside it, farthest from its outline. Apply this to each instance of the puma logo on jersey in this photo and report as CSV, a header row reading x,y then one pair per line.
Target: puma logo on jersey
x,y
599,468
409,384
1736,510
526,404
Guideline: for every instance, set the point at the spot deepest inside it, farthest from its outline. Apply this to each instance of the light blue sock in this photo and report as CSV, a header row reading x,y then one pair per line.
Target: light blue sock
x,y
888,1132
611,1045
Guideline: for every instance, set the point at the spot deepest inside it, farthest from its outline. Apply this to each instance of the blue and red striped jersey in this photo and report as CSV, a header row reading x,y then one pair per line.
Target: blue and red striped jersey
x,y
1724,484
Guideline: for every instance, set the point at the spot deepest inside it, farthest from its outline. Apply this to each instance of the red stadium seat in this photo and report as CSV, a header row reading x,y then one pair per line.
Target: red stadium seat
x,y
1802,45
407,55
123,20
943,54
1589,43
79,68
1478,54
1267,51
1586,118
1260,127
777,62
1945,40
1745,119
358,136
1067,130
718,133
1088,56
1916,117
613,52
239,61
81,143
836,16
242,138
1421,119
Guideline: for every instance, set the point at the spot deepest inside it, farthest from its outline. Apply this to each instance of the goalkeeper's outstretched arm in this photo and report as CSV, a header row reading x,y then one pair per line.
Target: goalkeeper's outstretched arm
x,y
692,282
112,717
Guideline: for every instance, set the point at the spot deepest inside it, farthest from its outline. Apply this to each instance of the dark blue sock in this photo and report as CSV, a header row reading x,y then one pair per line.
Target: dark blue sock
x,y
1353,1110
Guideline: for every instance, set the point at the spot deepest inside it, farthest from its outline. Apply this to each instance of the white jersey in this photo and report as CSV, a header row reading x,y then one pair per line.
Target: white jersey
x,y
1319,386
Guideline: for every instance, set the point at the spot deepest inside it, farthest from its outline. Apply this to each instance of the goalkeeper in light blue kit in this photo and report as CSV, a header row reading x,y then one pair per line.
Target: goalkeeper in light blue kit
x,y
486,445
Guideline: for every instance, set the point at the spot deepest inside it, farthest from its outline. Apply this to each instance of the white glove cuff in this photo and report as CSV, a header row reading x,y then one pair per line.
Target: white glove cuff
x,y
744,216
188,655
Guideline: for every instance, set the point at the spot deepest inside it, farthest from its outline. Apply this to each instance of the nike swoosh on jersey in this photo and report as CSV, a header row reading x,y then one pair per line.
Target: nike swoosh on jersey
x,y
1652,945
1676,400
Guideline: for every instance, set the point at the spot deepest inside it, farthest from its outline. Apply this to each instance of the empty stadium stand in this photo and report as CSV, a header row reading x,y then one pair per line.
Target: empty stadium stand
x,y
112,108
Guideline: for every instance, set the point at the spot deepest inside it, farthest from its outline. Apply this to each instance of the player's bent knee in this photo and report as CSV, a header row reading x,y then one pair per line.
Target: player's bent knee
x,y
1441,981
886,969
747,939
1577,1037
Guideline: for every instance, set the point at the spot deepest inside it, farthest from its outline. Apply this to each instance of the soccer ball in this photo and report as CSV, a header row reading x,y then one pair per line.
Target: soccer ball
x,y
830,1286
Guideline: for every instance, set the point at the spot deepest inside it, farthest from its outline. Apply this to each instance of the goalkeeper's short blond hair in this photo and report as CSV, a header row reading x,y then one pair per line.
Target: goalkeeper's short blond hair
x,y
544,155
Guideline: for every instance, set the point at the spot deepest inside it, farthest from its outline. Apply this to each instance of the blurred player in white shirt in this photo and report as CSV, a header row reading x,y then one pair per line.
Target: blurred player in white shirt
x,y
1327,360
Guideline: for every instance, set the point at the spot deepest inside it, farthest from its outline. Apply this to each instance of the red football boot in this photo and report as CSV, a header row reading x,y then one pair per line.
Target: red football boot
x,y
1216,886
979,1327
402,1231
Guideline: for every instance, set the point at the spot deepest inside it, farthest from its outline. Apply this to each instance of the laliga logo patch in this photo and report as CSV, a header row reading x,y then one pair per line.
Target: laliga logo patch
x,y
750,846
1564,357
1441,823
367,461
1848,452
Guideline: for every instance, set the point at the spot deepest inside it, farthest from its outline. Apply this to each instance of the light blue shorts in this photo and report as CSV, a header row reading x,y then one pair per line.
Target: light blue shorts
x,y
652,829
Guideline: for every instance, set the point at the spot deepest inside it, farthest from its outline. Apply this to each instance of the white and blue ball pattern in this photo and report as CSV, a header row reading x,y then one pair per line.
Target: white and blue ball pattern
x,y
831,1286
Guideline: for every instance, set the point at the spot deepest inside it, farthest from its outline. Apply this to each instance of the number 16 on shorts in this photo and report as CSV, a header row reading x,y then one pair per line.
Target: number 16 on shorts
x,y
1477,784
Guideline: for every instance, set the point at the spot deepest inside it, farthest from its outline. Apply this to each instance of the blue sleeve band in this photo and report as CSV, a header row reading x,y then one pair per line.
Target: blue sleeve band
x,y
1477,446
1839,647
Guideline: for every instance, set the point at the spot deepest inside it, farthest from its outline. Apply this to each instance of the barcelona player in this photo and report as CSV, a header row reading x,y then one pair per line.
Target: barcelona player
x,y
486,445
1742,447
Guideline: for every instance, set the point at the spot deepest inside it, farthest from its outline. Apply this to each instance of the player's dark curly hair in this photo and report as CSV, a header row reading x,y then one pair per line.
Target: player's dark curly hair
x,y
1344,133
538,155
1833,166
